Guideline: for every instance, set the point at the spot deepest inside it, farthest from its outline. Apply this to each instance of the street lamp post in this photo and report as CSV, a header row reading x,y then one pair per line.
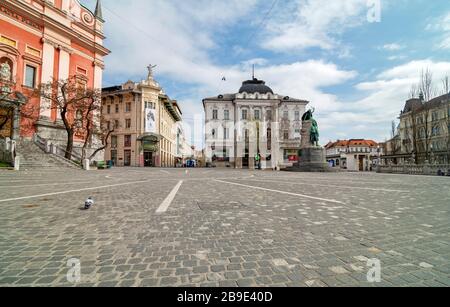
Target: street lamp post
x,y
379,159
432,154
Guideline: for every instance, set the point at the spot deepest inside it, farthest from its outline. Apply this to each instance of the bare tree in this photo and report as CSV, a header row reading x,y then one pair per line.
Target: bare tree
x,y
428,92
426,87
446,90
74,102
10,100
413,93
446,85
104,133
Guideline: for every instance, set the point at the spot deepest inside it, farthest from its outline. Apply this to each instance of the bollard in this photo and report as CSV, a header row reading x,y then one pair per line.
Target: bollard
x,y
17,163
87,164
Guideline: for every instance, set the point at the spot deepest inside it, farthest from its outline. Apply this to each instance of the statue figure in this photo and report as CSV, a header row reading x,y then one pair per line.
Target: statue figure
x,y
314,131
308,115
150,70
5,72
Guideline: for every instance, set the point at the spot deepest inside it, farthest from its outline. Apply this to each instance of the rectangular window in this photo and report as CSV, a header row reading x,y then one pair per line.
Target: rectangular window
x,y
117,108
128,123
297,115
286,135
127,158
297,134
128,107
226,134
244,114
226,114
114,141
286,115
114,157
30,76
269,115
434,116
215,114
109,109
257,115
127,141
116,124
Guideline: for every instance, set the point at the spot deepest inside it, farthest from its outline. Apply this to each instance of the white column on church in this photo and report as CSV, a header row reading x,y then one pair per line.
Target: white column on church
x,y
64,66
48,56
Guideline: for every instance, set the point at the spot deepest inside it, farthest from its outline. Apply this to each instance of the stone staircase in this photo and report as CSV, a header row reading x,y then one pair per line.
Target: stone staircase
x,y
33,157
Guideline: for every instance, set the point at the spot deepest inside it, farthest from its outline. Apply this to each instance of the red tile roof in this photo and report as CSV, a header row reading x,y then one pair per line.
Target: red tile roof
x,y
352,143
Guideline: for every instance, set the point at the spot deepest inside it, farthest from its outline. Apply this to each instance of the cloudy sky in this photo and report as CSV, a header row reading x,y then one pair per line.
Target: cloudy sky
x,y
355,66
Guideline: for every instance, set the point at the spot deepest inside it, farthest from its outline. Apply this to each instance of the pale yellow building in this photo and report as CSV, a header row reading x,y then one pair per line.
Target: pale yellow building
x,y
146,124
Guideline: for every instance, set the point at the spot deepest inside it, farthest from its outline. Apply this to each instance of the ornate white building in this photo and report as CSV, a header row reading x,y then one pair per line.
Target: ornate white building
x,y
253,121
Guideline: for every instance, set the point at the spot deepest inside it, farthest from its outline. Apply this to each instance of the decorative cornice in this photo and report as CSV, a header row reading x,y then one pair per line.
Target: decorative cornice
x,y
9,50
8,11
98,63
57,45
32,59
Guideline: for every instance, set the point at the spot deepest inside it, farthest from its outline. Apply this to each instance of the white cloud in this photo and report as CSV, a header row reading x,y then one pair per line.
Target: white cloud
x,y
384,98
442,26
397,57
392,47
181,36
316,24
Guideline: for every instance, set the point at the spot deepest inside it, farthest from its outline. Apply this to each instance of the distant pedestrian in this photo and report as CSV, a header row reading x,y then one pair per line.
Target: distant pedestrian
x,y
258,160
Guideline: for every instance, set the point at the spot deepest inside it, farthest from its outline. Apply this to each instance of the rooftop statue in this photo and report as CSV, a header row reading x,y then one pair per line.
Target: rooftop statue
x,y
150,70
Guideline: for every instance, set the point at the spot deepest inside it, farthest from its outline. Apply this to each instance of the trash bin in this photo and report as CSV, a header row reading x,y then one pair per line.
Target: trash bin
x,y
110,164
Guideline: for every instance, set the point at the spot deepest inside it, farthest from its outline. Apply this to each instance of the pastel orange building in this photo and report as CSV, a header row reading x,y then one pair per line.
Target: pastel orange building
x,y
41,41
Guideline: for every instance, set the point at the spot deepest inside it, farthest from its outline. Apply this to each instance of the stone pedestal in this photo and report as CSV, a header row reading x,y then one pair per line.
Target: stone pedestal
x,y
313,159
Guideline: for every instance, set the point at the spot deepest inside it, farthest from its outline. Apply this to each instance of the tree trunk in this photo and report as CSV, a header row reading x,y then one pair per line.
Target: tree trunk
x,y
69,147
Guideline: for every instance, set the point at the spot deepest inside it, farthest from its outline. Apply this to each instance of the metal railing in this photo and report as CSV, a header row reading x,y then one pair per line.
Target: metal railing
x,y
414,169
56,150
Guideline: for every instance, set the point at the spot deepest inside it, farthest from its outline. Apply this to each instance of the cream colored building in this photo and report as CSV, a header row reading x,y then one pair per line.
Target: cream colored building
x,y
145,122
254,121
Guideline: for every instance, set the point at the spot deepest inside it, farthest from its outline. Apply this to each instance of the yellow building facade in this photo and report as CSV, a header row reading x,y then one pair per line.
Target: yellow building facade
x,y
144,122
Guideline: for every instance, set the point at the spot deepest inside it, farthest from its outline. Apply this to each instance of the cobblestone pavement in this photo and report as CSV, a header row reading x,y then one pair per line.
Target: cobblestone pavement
x,y
223,228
